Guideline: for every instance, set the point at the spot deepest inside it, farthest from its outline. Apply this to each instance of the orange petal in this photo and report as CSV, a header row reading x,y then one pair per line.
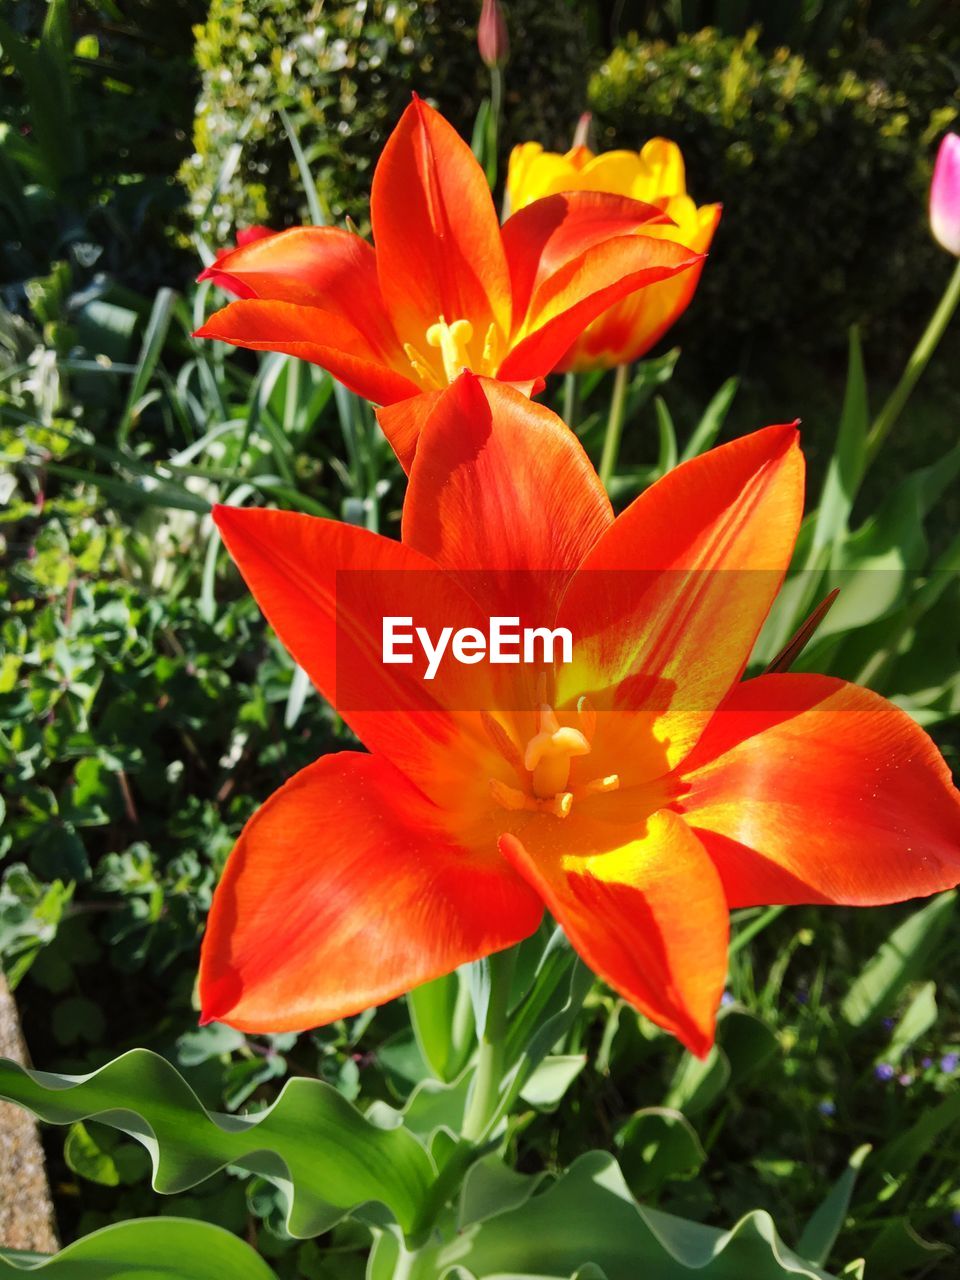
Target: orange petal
x,y
403,422
808,789
636,323
439,249
650,918
550,233
668,605
323,267
314,335
500,484
341,893
325,588
566,301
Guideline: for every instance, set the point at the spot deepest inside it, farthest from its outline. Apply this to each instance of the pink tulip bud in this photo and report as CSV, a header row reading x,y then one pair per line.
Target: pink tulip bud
x,y
945,195
492,38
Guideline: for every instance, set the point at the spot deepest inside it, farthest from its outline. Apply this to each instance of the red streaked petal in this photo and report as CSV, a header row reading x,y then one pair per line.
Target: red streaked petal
x,y
650,918
325,588
808,789
500,484
341,893
667,607
548,234
636,323
310,334
402,423
438,242
565,302
322,267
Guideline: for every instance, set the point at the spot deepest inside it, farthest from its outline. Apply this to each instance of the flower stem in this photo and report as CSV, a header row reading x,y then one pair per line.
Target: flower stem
x,y
570,400
482,1106
918,361
611,441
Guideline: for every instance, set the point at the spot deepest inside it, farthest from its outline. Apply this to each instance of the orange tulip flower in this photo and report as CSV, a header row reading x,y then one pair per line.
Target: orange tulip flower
x,y
638,791
655,174
446,288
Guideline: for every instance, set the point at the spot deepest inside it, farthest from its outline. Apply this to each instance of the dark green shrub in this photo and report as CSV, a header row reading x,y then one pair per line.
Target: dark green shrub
x,y
344,72
823,174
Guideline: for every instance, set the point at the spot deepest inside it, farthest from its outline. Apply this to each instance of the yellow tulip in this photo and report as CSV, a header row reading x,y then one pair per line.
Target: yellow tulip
x,y
656,175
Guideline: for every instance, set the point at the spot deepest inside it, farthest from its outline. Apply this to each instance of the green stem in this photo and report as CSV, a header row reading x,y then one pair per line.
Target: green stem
x,y
482,1106
918,361
493,134
570,400
611,441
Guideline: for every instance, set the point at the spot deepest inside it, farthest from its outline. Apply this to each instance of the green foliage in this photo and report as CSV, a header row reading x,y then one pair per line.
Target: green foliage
x,y
94,117
311,1142
816,29
822,172
344,73
154,1249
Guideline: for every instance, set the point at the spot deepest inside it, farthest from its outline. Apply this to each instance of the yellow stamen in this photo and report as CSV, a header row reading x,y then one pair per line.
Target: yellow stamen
x,y
489,360
603,785
421,367
509,797
452,341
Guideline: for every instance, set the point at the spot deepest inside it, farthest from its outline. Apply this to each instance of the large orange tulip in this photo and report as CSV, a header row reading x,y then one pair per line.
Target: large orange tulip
x,y
638,791
656,175
446,288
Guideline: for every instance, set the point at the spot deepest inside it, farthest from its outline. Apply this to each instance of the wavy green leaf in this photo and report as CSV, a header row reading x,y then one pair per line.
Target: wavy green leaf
x,y
146,1249
313,1144
588,1223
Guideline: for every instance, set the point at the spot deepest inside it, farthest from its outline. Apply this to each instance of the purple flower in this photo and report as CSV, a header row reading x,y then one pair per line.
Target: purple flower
x,y
926,1063
827,1108
888,1024
956,1217
726,999
884,1071
905,1079
948,1063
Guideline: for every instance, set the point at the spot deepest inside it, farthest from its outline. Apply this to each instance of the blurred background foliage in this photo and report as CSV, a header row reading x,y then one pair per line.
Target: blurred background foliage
x,y
144,707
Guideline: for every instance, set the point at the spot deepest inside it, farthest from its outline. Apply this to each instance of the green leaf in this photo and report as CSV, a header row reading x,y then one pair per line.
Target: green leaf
x,y
87,1159
901,960
820,1233
589,1219
154,337
714,416
311,1142
848,462
919,1017
147,1249
893,1162
667,459
442,1015
306,177
657,1145
898,1251
547,1084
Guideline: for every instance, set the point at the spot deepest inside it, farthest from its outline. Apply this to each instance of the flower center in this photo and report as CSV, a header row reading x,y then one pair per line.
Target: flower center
x,y
543,767
452,341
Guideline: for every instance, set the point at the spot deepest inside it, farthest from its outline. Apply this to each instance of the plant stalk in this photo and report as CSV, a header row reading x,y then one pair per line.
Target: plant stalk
x,y
618,409
919,359
482,1106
